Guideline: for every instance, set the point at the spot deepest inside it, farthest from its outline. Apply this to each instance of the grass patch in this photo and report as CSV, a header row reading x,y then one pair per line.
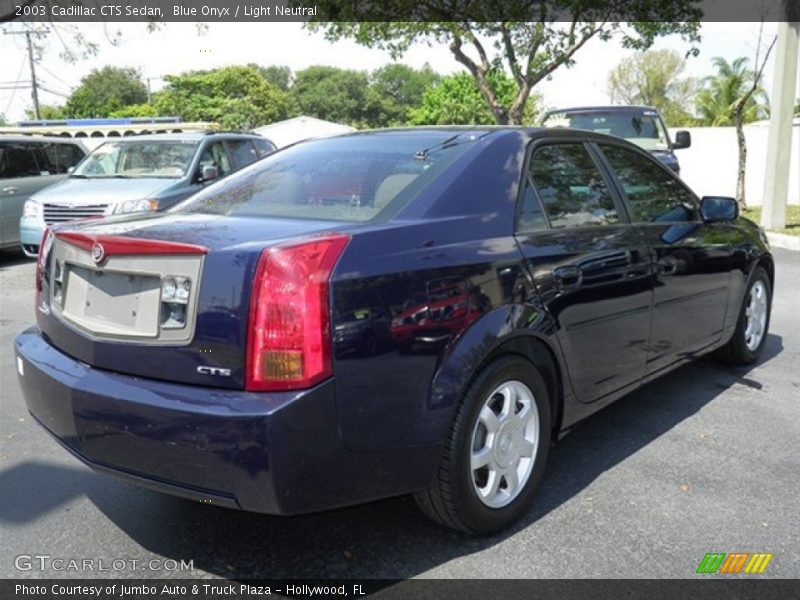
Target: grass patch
x,y
792,218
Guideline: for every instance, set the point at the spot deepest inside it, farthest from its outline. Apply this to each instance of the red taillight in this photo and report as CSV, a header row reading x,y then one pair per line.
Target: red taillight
x,y
288,340
44,248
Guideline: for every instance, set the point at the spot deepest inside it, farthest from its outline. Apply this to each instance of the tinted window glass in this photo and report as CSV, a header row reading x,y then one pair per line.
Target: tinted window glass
x,y
242,152
61,157
571,187
18,160
263,147
351,178
530,217
214,155
653,193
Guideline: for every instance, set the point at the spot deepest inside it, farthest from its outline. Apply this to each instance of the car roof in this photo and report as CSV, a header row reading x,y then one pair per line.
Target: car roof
x,y
495,131
44,139
608,109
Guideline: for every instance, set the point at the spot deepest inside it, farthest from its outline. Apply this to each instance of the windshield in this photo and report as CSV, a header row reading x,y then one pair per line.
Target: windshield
x,y
350,178
644,129
138,159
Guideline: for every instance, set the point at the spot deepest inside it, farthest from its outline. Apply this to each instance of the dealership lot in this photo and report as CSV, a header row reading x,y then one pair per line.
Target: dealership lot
x,y
706,459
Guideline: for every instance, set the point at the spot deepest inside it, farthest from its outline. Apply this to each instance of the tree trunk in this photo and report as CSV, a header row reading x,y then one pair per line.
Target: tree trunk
x,y
740,199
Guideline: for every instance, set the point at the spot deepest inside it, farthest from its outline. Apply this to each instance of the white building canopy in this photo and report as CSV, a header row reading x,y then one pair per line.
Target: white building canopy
x,y
300,128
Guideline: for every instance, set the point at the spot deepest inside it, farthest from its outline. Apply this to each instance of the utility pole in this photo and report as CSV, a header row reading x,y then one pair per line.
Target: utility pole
x,y
35,90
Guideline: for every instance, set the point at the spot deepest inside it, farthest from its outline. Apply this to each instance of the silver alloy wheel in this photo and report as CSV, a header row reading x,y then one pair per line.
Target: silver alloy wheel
x,y
504,444
756,313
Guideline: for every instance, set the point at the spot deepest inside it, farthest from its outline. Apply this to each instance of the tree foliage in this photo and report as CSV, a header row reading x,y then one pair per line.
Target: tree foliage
x,y
655,78
104,91
717,101
533,40
398,90
278,75
334,94
236,97
456,100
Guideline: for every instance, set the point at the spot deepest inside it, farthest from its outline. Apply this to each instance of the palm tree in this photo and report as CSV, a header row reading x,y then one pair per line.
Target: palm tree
x,y
733,97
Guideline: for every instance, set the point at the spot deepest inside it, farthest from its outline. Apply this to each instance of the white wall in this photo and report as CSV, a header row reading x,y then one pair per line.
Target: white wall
x,y
709,166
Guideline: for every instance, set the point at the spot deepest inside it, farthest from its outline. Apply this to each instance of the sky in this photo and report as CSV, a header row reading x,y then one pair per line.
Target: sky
x,y
178,47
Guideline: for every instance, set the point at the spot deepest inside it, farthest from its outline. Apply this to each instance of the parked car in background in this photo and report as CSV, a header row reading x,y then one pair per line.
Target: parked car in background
x,y
204,351
138,174
641,125
29,164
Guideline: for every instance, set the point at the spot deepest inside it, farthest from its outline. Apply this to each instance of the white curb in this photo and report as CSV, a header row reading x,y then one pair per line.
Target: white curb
x,y
781,240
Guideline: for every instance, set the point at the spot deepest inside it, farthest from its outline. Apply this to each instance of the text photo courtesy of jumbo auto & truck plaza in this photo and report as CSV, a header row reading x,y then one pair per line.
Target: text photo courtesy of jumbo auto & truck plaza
x,y
411,299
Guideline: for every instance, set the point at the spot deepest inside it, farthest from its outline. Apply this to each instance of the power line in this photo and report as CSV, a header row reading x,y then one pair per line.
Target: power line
x,y
34,87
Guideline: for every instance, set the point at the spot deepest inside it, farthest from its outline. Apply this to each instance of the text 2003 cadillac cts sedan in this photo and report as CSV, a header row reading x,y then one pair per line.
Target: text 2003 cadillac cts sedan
x,y
389,312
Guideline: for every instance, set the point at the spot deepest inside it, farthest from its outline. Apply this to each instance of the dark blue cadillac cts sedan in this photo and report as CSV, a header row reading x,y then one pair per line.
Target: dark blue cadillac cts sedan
x,y
402,311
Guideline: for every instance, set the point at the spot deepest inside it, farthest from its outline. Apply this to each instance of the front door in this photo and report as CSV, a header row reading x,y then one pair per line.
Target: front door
x,y
590,268
692,259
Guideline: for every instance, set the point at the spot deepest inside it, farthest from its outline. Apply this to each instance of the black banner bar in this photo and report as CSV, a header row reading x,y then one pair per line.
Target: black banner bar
x,y
211,11
378,589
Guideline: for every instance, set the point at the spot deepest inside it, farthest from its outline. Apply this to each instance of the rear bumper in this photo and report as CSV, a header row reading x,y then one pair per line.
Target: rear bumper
x,y
273,453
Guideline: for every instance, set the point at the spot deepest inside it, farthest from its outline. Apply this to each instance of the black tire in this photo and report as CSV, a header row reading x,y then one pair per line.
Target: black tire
x,y
736,352
452,499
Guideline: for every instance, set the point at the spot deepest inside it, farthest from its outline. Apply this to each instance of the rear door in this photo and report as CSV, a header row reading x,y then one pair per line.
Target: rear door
x,y
589,265
692,258
20,177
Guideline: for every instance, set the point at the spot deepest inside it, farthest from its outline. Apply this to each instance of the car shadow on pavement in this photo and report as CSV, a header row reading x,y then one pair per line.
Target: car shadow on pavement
x,y
386,539
12,258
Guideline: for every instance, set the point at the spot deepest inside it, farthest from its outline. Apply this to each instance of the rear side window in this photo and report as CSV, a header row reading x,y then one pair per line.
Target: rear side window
x,y
653,194
18,160
530,216
571,187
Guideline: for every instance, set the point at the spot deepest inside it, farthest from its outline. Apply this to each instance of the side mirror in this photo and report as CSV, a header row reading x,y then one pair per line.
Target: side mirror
x,y
208,172
683,139
718,208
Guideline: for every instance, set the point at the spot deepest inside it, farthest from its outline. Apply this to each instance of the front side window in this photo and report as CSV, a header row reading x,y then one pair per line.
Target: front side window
x,y
242,152
138,159
215,156
571,187
653,193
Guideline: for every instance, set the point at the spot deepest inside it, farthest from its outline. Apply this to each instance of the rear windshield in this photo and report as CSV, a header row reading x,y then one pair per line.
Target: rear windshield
x,y
352,178
644,129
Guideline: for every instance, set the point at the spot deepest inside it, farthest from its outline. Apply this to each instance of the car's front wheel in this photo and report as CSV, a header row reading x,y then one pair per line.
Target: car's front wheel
x,y
747,342
496,451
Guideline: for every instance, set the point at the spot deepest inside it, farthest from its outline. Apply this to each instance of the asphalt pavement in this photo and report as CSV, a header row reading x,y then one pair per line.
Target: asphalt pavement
x,y
707,459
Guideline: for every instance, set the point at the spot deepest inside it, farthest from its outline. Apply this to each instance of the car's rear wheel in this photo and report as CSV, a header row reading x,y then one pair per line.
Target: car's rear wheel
x,y
496,451
747,342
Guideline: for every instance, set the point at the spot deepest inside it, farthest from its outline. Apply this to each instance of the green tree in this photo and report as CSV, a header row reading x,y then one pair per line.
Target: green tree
x,y
106,90
456,100
3,121
797,107
654,78
333,94
531,43
135,110
47,112
733,96
278,75
235,97
399,89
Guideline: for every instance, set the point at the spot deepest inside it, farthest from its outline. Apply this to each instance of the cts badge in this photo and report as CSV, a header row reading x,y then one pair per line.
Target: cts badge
x,y
215,371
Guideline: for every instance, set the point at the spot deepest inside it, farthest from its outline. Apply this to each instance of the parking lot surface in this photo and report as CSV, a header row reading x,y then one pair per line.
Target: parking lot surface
x,y
706,459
